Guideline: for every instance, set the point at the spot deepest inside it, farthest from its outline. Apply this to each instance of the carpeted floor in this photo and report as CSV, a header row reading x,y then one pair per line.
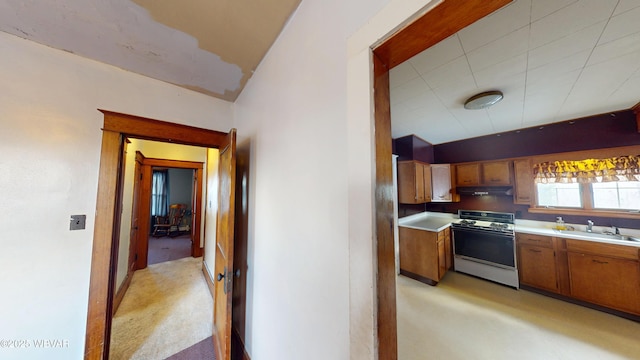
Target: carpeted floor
x,y
168,248
201,351
168,308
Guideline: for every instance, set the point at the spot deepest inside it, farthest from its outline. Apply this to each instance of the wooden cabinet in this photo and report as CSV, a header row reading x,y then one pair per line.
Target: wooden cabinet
x,y
468,174
424,255
599,273
605,274
537,262
493,173
496,173
441,183
523,176
414,182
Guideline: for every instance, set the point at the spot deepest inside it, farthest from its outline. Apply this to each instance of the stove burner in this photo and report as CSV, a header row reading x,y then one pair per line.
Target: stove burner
x,y
467,222
500,226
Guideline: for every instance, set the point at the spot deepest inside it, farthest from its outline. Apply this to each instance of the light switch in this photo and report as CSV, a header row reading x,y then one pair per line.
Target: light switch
x,y
78,222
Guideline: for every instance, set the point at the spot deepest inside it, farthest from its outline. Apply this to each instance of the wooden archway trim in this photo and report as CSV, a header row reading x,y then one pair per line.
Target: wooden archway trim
x,y
116,127
439,23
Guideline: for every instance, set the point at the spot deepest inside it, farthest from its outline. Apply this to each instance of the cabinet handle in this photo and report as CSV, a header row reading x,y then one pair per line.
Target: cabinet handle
x,y
536,251
599,262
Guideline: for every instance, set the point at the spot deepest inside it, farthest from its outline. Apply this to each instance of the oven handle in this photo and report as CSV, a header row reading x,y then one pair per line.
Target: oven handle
x,y
484,231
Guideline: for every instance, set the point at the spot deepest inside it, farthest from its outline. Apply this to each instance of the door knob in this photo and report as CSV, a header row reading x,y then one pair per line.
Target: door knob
x,y
220,276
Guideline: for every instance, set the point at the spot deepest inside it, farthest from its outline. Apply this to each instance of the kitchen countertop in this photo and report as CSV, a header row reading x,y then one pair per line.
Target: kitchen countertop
x,y
546,229
435,221
431,221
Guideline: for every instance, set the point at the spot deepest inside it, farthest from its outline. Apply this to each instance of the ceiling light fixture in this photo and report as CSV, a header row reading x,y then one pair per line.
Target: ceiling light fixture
x,y
483,100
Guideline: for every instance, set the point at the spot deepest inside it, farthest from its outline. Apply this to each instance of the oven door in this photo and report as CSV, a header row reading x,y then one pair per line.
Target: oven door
x,y
485,246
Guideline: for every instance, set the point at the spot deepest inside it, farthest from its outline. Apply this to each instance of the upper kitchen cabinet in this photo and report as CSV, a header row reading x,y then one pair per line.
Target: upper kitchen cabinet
x,y
414,182
496,173
468,174
441,183
523,182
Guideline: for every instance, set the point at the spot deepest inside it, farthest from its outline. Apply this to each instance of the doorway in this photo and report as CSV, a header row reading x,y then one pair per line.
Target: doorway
x,y
442,21
104,256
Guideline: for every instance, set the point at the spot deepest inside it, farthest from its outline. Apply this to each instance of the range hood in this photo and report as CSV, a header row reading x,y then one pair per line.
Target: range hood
x,y
486,190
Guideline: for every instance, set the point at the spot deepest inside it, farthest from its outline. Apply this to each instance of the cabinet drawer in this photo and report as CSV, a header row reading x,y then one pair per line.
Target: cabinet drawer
x,y
533,239
603,249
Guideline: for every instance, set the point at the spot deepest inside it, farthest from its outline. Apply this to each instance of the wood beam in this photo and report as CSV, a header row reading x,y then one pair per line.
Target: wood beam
x,y
436,25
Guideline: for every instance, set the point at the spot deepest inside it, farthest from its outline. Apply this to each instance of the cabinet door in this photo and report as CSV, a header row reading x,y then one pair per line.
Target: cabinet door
x,y
448,248
468,174
496,173
523,182
426,182
606,281
410,182
440,182
537,267
442,258
419,252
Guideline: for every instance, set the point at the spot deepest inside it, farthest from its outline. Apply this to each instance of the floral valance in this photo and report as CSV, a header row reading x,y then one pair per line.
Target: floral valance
x,y
622,168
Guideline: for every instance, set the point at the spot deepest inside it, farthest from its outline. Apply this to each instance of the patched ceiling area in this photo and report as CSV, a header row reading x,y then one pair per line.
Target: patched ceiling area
x,y
209,46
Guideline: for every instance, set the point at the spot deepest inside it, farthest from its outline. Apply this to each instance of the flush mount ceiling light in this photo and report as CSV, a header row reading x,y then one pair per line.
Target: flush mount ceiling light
x,y
483,100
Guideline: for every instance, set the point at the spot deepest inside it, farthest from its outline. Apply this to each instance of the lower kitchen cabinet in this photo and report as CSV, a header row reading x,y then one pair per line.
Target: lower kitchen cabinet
x,y
424,255
538,267
605,274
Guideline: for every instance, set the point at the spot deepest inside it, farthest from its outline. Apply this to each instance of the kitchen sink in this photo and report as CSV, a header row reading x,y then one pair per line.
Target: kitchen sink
x,y
602,235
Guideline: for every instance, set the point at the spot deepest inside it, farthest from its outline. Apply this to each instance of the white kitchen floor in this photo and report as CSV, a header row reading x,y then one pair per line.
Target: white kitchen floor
x,y
468,318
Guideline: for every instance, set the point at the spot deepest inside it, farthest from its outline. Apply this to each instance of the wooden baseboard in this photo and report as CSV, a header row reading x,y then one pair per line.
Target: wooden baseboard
x,y
207,276
121,291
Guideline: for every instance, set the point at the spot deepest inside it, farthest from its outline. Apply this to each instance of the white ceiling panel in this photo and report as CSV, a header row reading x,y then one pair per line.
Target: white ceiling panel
x,y
570,19
542,8
442,53
491,28
549,69
504,48
622,25
582,40
626,5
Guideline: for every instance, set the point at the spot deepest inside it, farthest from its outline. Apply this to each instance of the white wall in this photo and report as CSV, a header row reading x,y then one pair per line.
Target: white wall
x,y
308,113
50,141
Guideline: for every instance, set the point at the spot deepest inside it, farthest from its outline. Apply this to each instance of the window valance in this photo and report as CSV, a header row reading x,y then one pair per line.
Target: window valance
x,y
622,168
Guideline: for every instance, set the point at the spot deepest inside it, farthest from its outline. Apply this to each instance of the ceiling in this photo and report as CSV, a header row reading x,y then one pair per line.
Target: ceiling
x,y
210,46
554,60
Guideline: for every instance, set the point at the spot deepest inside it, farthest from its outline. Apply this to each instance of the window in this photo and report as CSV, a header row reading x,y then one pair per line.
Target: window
x,y
611,184
559,195
159,193
623,195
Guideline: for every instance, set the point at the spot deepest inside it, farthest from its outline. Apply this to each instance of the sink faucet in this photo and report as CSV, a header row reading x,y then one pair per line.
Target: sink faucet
x,y
589,226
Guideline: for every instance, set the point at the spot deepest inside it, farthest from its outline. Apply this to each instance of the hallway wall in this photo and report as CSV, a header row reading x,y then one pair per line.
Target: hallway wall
x,y
50,143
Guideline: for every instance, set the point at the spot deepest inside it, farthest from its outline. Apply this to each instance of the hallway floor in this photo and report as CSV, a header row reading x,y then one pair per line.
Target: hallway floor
x,y
468,318
168,308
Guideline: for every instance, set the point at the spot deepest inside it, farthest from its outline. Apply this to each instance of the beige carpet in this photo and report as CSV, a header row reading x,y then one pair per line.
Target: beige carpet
x,y
167,308
468,318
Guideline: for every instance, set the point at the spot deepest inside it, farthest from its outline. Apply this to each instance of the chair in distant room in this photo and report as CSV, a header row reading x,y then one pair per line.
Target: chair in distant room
x,y
169,225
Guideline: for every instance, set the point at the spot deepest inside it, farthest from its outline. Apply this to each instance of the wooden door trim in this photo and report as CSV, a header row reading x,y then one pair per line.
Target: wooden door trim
x,y
442,21
196,204
101,291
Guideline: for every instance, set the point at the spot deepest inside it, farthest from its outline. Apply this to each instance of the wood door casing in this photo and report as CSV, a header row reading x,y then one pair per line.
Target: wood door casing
x,y
116,125
223,289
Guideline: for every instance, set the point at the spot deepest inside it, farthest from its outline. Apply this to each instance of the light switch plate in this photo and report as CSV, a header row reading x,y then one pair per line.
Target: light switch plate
x,y
78,222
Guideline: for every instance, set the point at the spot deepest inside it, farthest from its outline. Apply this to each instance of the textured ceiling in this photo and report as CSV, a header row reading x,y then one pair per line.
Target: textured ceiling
x,y
554,60
210,46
